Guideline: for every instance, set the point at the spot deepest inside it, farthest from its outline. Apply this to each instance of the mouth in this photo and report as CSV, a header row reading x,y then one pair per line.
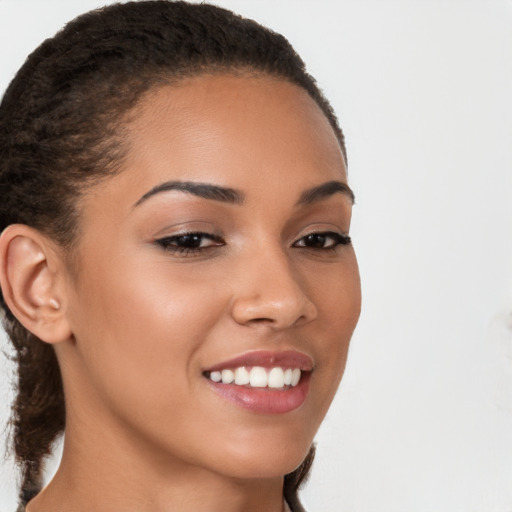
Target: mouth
x,y
257,377
264,382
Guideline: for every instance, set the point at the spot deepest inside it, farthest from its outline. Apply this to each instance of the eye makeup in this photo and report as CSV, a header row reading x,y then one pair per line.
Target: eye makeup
x,y
323,240
190,243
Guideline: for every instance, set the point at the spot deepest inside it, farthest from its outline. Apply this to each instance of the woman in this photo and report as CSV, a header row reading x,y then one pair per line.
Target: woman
x,y
177,275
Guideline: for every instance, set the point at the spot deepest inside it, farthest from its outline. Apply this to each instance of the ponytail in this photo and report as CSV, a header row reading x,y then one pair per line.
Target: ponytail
x,y
38,410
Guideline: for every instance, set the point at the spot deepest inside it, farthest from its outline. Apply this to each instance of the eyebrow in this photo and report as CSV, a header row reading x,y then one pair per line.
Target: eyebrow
x,y
326,190
233,196
204,190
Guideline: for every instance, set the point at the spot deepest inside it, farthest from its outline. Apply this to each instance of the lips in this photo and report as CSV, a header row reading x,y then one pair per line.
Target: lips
x,y
267,359
264,382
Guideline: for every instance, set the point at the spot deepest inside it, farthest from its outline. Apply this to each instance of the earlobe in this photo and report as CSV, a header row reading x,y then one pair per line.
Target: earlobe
x,y
30,281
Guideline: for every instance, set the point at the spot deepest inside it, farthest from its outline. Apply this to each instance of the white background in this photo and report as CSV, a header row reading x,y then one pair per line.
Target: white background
x,y
423,421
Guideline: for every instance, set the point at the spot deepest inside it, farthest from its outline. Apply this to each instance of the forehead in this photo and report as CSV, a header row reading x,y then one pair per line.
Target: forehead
x,y
257,134
255,122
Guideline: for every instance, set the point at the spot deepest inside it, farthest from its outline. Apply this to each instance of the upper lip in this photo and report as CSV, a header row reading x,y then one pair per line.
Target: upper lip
x,y
267,359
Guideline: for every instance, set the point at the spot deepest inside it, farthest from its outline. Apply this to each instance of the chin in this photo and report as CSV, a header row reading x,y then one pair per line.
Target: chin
x,y
272,459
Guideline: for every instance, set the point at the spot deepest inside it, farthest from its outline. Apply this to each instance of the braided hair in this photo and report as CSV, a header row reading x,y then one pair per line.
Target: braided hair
x,y
61,130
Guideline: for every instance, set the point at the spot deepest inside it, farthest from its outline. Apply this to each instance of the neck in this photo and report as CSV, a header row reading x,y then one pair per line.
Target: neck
x,y
105,470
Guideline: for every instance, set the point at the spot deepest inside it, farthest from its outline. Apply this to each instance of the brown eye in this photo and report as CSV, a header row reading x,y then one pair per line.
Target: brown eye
x,y
327,240
189,243
316,240
192,241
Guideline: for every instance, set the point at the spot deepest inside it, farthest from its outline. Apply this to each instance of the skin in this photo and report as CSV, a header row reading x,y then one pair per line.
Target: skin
x,y
144,430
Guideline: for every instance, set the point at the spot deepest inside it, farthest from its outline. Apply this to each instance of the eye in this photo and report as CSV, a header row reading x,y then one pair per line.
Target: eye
x,y
185,244
323,240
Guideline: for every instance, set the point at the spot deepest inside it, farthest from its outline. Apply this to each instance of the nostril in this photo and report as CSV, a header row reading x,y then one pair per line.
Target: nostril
x,y
279,320
260,321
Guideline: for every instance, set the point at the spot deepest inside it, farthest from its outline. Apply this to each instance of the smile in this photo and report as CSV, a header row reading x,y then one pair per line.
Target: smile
x,y
258,377
264,382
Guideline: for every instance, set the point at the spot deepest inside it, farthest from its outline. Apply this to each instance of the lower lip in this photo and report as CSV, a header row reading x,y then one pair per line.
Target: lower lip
x,y
265,400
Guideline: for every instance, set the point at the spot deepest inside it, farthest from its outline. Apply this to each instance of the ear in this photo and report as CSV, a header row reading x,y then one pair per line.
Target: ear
x,y
32,282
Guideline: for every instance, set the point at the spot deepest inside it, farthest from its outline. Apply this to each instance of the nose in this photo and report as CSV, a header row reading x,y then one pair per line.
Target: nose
x,y
269,292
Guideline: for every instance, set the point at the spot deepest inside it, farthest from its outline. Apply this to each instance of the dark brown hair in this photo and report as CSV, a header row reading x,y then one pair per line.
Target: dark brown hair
x,y
61,130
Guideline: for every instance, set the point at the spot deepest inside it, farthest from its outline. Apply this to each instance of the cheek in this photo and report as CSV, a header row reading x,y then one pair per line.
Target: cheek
x,y
337,295
139,326
336,292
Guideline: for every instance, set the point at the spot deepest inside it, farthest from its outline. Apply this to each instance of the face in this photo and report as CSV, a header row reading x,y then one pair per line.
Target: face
x,y
223,244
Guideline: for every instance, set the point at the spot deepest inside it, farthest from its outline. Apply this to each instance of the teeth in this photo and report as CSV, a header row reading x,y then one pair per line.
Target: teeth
x,y
227,376
241,376
216,376
276,378
258,377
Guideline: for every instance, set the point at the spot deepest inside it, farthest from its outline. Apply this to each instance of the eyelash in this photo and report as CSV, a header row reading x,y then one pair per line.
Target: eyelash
x,y
171,243
338,239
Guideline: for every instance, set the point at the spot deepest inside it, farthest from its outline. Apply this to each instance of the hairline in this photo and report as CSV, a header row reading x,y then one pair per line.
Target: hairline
x,y
162,81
